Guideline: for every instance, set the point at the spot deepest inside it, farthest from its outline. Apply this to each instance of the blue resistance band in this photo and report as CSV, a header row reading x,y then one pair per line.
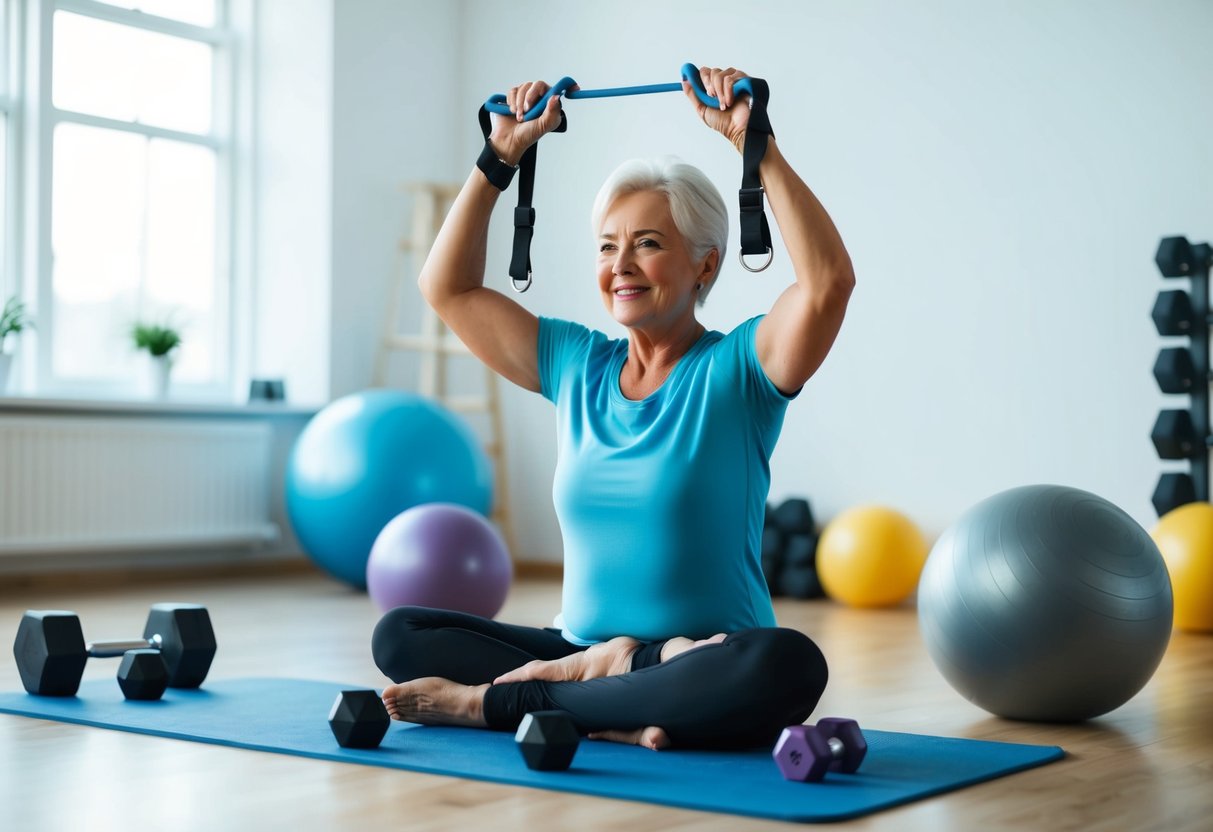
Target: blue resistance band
x,y
755,231
497,103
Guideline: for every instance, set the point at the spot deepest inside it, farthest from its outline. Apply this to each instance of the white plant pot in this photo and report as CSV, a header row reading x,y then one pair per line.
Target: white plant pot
x,y
159,369
6,367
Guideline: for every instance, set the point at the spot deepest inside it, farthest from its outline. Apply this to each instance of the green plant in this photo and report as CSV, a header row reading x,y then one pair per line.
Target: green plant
x,y
13,320
157,339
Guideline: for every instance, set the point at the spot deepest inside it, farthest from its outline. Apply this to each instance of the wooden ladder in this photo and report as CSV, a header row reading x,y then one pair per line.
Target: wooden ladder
x,y
435,344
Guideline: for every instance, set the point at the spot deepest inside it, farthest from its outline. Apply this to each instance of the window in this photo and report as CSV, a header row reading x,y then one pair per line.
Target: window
x,y
8,261
134,179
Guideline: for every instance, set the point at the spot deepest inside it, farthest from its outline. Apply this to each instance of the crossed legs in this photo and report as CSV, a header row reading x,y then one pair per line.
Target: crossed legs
x,y
733,691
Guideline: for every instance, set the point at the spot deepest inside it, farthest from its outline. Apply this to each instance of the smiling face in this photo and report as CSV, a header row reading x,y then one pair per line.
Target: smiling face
x,y
645,272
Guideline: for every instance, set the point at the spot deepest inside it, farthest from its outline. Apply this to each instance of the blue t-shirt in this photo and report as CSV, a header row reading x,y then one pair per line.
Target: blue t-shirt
x,y
661,501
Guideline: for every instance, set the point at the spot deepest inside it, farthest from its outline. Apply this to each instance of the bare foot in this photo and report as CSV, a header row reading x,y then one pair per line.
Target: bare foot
x,y
677,646
436,701
610,658
652,738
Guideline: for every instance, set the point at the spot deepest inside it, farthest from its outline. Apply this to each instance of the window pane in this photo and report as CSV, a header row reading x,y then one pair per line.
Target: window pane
x,y
96,225
8,283
198,12
181,249
132,234
4,52
120,72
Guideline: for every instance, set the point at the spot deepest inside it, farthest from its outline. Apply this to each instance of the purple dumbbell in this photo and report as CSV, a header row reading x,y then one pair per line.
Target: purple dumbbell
x,y
807,752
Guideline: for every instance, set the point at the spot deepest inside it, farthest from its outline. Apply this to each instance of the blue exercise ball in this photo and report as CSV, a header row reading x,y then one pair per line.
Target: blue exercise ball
x,y
366,458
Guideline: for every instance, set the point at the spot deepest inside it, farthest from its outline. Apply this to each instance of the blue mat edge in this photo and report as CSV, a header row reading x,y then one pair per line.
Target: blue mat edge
x,y
366,757
1058,753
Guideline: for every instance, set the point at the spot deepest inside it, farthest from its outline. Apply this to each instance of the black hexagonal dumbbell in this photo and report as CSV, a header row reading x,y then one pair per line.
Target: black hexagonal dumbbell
x,y
806,752
1175,371
359,719
1176,257
547,740
794,516
1173,313
798,578
789,546
1175,435
1173,490
142,674
51,652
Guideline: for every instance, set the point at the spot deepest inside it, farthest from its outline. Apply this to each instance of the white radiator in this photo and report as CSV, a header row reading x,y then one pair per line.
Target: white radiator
x,y
71,483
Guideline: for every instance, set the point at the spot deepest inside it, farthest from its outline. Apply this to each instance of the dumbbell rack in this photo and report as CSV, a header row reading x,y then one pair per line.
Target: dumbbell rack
x,y
1184,434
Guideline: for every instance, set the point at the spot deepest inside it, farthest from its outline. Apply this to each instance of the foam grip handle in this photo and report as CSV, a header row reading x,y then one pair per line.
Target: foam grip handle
x,y
497,102
690,72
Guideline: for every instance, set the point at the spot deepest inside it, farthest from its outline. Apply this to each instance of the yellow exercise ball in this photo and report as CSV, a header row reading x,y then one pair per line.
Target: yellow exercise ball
x,y
1185,538
870,556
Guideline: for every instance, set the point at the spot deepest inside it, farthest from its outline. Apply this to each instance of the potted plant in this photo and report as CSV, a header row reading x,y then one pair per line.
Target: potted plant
x,y
161,342
13,320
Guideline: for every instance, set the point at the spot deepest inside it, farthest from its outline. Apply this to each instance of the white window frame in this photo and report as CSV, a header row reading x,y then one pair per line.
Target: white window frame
x,y
10,281
230,130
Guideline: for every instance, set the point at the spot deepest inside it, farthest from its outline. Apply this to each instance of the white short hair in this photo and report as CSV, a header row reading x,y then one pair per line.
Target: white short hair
x,y
695,204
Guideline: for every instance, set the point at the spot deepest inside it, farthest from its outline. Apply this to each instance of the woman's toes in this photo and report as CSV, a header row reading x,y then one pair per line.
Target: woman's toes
x,y
389,700
654,738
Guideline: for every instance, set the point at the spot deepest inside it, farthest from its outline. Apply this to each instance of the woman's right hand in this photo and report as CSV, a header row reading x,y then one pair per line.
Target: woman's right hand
x,y
511,137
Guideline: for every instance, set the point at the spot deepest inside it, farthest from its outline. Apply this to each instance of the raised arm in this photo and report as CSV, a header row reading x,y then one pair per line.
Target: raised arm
x,y
499,331
794,338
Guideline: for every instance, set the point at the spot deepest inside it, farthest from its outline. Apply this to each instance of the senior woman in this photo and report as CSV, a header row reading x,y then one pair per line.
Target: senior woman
x,y
667,635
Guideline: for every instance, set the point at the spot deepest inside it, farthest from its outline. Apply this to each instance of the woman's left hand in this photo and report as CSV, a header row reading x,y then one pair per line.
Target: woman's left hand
x,y
734,113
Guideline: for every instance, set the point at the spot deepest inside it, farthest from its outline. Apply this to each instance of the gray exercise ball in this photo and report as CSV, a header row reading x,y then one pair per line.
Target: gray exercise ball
x,y
1045,603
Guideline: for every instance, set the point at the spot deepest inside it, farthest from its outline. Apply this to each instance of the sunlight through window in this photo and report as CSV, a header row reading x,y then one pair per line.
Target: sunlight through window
x,y
105,69
136,217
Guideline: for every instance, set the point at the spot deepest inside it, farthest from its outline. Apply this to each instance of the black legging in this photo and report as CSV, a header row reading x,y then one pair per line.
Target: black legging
x,y
736,694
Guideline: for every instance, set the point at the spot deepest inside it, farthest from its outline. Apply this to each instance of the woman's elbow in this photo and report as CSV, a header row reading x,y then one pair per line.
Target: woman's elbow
x,y
843,274
431,288
836,288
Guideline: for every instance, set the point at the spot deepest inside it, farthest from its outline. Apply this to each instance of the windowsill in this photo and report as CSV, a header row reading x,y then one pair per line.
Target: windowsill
x,y
167,407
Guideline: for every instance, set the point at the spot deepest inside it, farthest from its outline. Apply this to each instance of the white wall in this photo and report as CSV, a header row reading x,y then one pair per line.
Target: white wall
x,y
352,100
293,208
1001,173
395,75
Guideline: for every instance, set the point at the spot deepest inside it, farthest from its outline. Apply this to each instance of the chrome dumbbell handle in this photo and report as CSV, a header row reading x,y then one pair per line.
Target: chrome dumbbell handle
x,y
110,649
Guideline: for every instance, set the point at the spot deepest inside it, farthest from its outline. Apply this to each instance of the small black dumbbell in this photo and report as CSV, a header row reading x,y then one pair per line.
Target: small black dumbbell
x,y
142,674
789,550
1173,490
548,740
359,719
51,652
798,579
807,752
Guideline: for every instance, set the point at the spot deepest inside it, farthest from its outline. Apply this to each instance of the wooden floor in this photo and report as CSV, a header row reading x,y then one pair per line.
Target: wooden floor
x,y
1148,765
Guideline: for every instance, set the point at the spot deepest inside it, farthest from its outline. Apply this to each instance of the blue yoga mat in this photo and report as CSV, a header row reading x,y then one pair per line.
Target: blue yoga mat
x,y
247,713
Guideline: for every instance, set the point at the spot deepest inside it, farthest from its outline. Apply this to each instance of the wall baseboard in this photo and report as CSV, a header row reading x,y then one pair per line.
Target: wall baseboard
x,y
539,569
100,576
92,572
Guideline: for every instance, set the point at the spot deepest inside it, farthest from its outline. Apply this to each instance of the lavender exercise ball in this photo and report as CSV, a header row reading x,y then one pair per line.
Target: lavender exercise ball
x,y
440,555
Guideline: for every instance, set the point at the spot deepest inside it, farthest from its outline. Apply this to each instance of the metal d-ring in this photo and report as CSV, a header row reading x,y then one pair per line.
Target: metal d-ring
x,y
763,267
521,286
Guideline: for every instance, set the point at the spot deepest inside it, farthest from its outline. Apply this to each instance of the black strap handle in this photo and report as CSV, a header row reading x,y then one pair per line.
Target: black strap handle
x,y
524,214
755,231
